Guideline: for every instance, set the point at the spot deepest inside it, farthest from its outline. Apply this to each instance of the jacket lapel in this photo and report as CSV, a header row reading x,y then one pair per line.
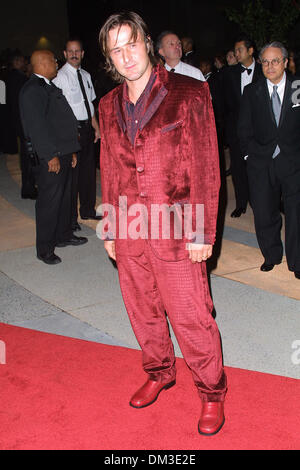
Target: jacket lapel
x,y
257,74
153,104
286,103
118,109
157,95
238,81
266,97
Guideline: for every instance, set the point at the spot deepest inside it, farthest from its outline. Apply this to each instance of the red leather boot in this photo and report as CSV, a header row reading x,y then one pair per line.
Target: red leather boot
x,y
148,393
212,418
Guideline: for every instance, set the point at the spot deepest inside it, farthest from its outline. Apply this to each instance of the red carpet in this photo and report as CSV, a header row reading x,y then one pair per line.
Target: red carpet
x,y
62,393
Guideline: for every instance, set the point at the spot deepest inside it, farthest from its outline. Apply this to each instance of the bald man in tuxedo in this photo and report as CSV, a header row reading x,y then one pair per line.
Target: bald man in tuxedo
x,y
51,129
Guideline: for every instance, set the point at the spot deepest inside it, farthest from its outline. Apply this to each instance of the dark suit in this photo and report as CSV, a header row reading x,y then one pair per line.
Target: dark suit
x,y
231,106
51,126
15,82
273,178
215,82
191,58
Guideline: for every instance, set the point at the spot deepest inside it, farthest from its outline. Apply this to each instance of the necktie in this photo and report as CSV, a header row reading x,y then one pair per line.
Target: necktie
x,y
248,70
84,95
172,70
276,105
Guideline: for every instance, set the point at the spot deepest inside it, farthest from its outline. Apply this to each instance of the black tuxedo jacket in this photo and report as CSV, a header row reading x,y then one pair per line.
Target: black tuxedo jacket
x,y
215,83
48,120
191,58
232,96
257,127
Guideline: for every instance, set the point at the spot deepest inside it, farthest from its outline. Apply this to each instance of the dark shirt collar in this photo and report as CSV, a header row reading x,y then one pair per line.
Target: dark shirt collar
x,y
134,113
146,91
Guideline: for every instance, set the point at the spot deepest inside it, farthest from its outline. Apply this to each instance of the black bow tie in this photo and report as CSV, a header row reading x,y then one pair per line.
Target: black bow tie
x,y
248,70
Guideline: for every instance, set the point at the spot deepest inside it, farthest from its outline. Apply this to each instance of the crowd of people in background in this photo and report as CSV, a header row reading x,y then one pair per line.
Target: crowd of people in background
x,y
177,55
173,109
16,68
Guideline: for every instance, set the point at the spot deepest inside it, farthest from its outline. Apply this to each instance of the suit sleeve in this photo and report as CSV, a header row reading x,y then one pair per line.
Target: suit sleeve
x,y
33,105
108,173
205,172
106,162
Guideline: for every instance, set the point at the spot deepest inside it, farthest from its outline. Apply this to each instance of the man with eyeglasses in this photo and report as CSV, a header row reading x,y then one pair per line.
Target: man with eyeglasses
x,y
270,140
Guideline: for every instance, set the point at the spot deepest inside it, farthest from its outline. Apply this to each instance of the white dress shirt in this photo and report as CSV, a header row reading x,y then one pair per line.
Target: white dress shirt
x,y
280,85
67,81
247,78
186,69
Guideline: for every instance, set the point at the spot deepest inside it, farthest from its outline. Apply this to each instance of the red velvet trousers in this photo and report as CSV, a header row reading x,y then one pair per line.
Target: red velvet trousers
x,y
153,288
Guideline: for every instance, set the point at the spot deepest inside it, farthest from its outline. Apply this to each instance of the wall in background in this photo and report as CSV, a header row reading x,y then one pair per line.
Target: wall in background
x,y
34,24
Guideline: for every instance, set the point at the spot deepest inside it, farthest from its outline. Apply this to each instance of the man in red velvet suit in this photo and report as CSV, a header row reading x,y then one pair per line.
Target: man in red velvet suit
x,y
159,149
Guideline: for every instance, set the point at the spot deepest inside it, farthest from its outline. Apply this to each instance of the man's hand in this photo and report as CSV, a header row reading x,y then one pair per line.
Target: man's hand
x,y
109,245
74,160
96,128
199,253
97,135
54,165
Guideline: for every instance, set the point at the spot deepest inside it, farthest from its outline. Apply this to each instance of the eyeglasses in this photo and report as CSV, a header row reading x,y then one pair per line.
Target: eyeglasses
x,y
274,62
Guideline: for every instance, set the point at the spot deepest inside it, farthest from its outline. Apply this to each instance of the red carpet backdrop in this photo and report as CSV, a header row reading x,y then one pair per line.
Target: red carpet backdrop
x,y
67,394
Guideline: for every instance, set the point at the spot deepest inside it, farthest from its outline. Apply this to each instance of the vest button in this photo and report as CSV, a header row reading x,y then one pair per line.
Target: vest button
x,y
140,169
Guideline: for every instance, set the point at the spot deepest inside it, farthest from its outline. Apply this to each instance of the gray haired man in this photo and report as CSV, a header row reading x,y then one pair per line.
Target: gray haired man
x,y
270,140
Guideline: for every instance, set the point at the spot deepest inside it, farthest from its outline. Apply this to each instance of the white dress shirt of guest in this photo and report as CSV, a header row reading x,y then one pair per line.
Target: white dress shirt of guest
x,y
67,80
170,49
244,56
247,77
280,87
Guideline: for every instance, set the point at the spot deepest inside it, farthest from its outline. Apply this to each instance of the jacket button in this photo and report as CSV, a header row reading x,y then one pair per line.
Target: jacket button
x,y
143,194
140,169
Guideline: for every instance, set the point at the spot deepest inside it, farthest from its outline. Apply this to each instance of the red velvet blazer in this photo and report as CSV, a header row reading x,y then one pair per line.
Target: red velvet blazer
x,y
174,160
